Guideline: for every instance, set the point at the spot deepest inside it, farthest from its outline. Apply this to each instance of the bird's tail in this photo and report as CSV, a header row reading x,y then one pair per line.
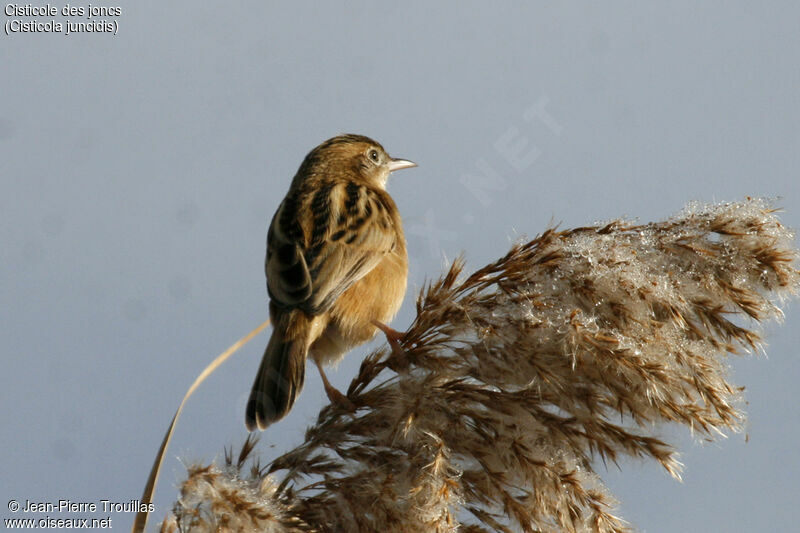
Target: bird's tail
x,y
279,380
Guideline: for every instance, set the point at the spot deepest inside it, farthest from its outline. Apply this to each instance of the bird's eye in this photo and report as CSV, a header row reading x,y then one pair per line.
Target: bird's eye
x,y
373,154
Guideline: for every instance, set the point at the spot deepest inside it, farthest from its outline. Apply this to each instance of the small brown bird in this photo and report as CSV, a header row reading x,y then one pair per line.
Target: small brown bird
x,y
336,269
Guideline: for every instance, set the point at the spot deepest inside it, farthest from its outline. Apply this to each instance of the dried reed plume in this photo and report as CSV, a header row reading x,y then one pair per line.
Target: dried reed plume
x,y
513,380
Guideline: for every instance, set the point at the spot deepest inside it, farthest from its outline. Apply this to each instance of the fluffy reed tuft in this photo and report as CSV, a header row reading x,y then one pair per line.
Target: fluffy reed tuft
x,y
515,378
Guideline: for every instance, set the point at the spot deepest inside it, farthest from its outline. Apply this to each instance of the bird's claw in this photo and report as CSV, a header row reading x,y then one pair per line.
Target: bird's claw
x,y
393,338
340,400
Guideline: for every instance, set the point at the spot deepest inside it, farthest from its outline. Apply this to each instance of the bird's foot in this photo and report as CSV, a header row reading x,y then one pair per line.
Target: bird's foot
x,y
336,398
393,338
339,400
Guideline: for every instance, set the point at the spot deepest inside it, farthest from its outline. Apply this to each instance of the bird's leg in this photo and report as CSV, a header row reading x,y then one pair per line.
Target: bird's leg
x,y
393,338
333,393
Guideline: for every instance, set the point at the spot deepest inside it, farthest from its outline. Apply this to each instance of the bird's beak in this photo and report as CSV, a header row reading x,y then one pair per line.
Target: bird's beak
x,y
399,164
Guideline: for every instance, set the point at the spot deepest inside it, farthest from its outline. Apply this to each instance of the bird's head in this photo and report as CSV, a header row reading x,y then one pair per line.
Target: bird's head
x,y
353,155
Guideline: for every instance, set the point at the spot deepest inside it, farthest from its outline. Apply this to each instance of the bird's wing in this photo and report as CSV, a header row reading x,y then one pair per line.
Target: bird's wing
x,y
319,244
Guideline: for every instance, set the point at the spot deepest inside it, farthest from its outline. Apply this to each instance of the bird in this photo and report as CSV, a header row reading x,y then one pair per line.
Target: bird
x,y
336,269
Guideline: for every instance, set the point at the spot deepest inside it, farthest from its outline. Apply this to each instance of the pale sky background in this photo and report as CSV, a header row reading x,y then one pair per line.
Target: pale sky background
x,y
139,173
